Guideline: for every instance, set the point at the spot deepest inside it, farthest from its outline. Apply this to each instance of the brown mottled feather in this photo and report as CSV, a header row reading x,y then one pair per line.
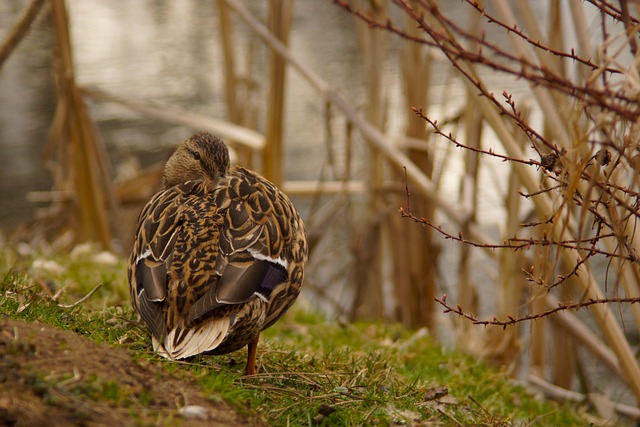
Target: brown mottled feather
x,y
217,258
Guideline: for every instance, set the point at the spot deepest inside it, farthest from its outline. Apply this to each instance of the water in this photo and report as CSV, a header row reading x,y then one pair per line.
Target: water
x,y
152,51
26,103
168,52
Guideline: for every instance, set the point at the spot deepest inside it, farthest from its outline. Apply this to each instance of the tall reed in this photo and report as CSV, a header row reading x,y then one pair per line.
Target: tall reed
x,y
280,13
82,164
583,180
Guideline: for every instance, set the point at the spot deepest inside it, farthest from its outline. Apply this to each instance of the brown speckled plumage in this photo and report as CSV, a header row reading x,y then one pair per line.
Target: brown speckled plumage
x,y
219,255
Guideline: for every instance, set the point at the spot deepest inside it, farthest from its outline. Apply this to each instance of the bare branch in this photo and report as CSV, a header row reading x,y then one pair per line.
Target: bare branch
x,y
512,320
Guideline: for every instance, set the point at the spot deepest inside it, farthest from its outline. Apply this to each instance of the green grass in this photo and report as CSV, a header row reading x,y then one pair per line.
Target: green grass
x,y
312,371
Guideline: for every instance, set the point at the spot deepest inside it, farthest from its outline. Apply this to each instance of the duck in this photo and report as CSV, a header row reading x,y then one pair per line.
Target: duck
x,y
219,255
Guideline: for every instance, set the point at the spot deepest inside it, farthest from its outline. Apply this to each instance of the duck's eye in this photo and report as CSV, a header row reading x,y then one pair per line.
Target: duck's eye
x,y
196,155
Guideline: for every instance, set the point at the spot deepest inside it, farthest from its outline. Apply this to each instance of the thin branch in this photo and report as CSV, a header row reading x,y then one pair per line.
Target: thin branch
x,y
438,131
516,243
511,320
537,75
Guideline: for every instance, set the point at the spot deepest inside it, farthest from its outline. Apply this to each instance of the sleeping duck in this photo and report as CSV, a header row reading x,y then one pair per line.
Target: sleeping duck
x,y
218,257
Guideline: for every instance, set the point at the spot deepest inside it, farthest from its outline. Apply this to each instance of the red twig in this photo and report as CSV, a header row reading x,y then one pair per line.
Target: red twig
x,y
582,183
538,75
516,243
512,320
438,131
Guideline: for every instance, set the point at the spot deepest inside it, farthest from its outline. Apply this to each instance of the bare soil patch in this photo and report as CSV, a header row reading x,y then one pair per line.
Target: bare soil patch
x,y
51,377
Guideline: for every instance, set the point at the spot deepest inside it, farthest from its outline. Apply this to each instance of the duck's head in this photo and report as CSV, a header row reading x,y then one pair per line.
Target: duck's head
x,y
203,156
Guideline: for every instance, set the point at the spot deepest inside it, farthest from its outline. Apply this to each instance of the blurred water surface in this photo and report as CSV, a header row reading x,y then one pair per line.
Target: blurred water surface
x,y
168,52
151,50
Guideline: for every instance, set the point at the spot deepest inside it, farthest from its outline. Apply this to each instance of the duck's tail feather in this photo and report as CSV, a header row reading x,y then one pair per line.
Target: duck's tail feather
x,y
183,342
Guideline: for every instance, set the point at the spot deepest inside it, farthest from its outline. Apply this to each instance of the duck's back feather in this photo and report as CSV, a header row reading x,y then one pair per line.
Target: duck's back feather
x,y
206,252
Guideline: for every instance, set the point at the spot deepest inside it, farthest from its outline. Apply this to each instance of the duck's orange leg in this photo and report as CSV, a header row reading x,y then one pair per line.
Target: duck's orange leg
x,y
250,369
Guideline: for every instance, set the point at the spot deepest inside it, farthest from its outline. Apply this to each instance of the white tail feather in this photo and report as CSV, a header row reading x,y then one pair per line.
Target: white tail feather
x,y
198,340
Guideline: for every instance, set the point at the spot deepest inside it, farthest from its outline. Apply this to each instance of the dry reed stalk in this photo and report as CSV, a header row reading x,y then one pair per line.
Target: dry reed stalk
x,y
628,277
554,39
238,112
574,136
329,143
373,232
280,13
537,348
563,347
77,137
510,282
416,254
554,112
306,188
239,136
628,273
407,301
544,206
582,333
537,301
467,289
234,113
558,393
372,135
420,183
138,190
20,29
542,256
610,328
588,286
530,23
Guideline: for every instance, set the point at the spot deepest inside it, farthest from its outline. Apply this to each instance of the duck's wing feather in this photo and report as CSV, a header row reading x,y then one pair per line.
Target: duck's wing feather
x,y
157,229
251,260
